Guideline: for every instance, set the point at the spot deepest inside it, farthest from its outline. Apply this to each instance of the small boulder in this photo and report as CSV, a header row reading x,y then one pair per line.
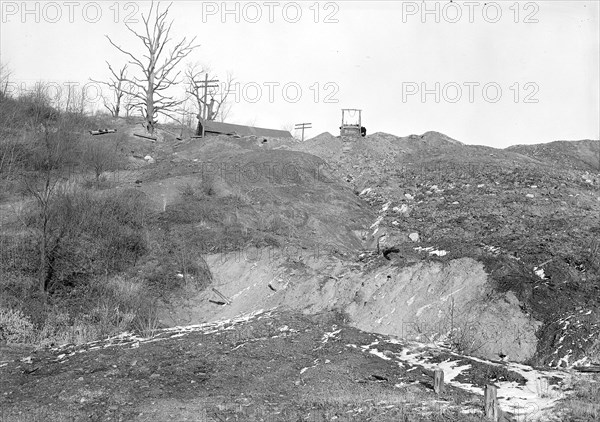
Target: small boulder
x,y
414,237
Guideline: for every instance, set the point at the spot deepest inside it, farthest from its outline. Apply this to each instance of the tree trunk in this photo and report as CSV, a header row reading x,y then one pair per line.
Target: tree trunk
x,y
150,105
42,269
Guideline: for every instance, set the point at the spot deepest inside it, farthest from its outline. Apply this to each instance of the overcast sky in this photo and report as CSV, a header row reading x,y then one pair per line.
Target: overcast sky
x,y
491,73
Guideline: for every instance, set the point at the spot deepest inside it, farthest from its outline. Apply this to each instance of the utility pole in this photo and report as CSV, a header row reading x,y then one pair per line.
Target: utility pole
x,y
206,84
303,126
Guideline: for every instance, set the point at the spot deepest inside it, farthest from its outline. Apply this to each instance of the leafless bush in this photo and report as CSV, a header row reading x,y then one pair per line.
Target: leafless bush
x,y
99,157
187,191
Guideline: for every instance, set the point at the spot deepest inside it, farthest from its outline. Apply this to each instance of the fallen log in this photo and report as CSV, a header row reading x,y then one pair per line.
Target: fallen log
x,y
102,131
593,369
145,137
227,301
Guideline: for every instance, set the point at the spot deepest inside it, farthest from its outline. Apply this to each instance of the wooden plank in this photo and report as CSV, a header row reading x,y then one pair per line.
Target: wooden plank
x,y
491,403
102,131
144,136
438,381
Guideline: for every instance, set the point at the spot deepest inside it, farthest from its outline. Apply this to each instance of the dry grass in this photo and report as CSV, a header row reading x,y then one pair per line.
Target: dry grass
x,y
584,404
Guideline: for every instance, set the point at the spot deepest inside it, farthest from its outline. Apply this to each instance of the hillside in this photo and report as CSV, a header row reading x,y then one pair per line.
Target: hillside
x,y
515,214
453,255
580,155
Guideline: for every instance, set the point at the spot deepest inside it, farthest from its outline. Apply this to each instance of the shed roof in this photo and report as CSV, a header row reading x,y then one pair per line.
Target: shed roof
x,y
231,129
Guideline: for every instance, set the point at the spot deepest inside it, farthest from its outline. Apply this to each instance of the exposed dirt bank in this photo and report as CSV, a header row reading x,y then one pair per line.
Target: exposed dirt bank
x,y
450,302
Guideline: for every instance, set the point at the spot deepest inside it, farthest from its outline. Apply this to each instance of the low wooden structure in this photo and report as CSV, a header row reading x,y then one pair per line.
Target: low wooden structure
x,y
218,128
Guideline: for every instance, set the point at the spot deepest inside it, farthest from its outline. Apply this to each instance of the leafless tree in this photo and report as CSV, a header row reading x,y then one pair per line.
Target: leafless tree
x,y
223,107
99,157
158,66
5,74
194,78
75,100
54,156
116,84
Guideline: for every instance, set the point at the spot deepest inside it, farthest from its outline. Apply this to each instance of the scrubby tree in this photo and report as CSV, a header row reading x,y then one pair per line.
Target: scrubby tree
x,y
5,74
99,157
158,66
117,85
53,158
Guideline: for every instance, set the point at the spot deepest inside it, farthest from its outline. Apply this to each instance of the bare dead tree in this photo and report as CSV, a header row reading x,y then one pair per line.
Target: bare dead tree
x,y
194,88
75,100
130,103
157,66
5,74
116,84
194,77
223,107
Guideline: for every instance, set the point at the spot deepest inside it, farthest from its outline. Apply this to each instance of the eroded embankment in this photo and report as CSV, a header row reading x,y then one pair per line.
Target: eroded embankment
x,y
450,302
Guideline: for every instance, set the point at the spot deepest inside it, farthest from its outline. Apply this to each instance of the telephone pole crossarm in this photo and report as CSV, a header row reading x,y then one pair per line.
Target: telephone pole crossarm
x,y
303,126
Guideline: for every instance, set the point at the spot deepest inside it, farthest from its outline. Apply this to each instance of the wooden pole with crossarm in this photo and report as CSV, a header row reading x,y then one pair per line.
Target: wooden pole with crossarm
x,y
303,126
206,84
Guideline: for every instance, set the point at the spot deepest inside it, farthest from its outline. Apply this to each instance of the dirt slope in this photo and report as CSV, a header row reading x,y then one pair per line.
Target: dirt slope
x,y
534,224
579,155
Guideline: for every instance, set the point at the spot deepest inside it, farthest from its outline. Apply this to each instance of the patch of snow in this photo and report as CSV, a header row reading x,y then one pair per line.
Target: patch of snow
x,y
379,354
377,222
539,273
177,335
422,308
431,251
438,253
330,335
531,400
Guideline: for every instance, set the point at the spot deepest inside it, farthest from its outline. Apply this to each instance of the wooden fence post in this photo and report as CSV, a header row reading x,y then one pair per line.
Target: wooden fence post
x,y
438,381
491,403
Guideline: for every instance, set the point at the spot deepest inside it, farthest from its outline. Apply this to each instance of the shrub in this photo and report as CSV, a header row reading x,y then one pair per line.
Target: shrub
x,y
89,234
207,186
15,327
187,191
